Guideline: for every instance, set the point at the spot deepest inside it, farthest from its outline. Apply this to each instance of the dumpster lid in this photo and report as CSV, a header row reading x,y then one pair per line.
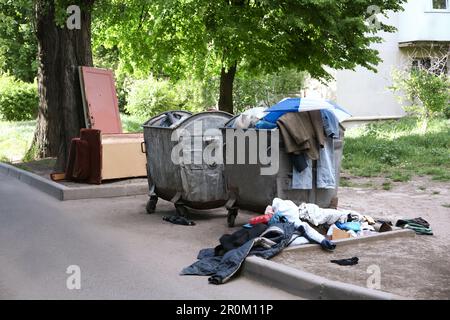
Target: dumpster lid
x,y
153,122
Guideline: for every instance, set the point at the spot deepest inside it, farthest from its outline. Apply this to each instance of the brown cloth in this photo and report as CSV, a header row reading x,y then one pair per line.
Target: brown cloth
x,y
85,157
303,132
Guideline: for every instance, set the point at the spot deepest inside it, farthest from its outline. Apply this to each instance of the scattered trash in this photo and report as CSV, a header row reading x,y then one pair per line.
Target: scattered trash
x,y
221,268
419,225
179,220
336,234
309,135
346,262
382,227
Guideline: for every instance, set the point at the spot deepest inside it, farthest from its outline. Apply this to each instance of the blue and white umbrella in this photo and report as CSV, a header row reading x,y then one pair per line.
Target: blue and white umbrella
x,y
305,104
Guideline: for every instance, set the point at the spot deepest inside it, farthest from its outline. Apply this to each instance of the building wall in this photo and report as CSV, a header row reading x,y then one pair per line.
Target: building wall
x,y
365,93
419,22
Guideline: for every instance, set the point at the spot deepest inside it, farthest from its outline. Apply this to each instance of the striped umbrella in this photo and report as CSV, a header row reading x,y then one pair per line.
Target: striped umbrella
x,y
305,104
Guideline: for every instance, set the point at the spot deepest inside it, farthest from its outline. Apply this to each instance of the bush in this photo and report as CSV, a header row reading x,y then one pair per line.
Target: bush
x,y
426,93
148,97
152,96
267,89
18,100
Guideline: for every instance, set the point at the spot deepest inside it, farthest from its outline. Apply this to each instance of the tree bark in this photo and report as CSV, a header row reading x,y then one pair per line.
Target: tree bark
x,y
226,88
60,52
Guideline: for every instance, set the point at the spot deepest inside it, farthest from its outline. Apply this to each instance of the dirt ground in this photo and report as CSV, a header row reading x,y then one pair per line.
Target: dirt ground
x,y
411,267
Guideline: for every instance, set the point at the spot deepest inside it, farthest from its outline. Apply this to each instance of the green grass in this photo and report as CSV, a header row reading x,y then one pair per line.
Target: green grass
x,y
387,185
396,150
399,150
131,124
15,139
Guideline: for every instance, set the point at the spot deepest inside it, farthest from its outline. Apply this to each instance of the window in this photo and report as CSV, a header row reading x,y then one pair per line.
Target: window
x,y
436,66
440,4
421,63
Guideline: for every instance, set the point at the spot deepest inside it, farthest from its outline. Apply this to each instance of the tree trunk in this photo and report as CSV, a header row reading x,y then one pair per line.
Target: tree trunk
x,y
226,88
60,52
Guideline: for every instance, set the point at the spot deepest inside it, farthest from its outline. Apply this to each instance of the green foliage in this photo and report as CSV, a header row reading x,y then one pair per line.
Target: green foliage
x,y
152,96
185,37
387,185
426,93
132,124
18,100
399,149
268,89
18,44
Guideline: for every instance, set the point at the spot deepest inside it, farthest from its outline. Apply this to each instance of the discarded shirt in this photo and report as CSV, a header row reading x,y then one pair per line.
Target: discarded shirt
x,y
179,220
353,226
317,216
418,225
330,123
302,132
346,262
222,268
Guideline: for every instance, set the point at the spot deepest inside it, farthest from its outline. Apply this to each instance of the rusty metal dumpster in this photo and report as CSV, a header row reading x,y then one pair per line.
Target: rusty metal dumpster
x,y
248,189
176,168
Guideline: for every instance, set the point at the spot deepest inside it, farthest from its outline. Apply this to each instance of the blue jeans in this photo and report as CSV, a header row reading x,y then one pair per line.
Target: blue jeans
x,y
326,170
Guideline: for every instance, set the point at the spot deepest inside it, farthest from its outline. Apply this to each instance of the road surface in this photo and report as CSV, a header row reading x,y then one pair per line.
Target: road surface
x,y
122,252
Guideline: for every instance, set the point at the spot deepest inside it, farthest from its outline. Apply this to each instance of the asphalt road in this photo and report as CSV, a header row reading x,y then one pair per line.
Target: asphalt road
x,y
122,252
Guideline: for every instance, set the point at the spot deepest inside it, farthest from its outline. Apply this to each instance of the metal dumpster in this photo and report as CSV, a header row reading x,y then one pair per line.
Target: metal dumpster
x,y
196,184
248,189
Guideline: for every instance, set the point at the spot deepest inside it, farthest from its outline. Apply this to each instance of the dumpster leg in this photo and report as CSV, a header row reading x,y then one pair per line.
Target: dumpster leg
x,y
151,204
232,214
182,211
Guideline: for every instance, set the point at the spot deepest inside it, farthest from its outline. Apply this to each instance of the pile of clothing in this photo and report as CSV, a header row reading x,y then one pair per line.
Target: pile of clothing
x,y
263,240
285,224
419,225
308,136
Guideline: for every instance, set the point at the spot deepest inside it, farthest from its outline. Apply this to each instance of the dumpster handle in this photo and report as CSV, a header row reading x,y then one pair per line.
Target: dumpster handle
x,y
143,148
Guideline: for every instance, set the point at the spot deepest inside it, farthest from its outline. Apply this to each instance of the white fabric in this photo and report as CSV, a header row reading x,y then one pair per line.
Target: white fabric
x,y
298,241
309,104
317,216
249,118
288,209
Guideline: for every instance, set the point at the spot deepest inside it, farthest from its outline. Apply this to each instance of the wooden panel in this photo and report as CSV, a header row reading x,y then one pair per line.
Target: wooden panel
x,y
100,98
122,156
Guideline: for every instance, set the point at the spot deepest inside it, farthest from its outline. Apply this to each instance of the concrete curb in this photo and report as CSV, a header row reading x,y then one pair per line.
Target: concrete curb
x,y
311,286
64,193
308,285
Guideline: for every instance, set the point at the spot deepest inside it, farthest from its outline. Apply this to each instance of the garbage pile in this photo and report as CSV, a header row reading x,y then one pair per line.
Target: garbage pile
x,y
284,224
308,135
